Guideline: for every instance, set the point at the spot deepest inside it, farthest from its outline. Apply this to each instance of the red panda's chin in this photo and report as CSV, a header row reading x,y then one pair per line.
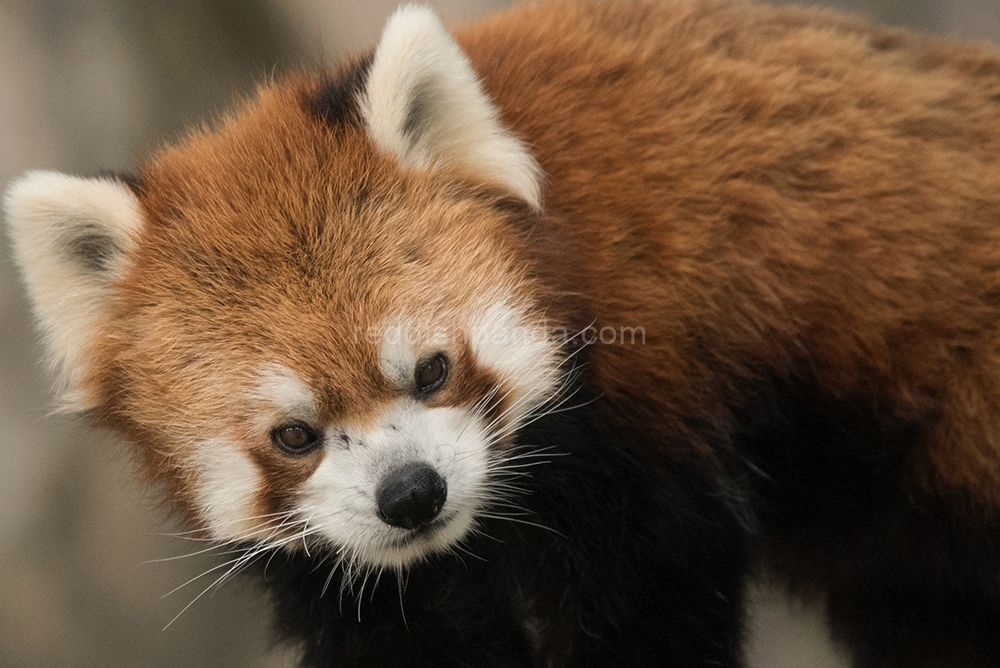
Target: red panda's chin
x,y
402,548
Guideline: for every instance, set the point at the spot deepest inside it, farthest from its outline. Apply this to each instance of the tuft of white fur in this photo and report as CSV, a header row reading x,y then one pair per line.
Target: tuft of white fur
x,y
400,343
44,211
226,487
420,74
285,393
397,356
520,352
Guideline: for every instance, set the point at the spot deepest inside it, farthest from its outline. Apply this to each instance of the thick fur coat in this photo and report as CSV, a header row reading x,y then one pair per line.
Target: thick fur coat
x,y
683,289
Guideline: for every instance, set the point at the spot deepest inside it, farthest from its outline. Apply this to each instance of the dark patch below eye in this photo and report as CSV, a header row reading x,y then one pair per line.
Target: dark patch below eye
x,y
91,246
336,100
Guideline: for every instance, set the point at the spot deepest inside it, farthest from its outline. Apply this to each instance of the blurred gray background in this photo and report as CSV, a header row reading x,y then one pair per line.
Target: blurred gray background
x,y
87,85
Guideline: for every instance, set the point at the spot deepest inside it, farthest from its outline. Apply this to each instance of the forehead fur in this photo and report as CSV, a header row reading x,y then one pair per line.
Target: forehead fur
x,y
278,238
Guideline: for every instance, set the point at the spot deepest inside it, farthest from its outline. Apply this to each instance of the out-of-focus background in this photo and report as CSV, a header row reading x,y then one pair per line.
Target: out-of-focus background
x,y
87,85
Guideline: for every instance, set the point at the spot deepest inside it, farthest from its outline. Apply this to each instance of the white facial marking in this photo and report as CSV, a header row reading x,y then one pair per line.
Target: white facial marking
x,y
339,501
226,489
521,353
282,389
396,352
401,344
339,498
423,103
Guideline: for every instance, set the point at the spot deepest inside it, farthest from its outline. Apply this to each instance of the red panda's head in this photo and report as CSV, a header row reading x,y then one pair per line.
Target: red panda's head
x,y
313,321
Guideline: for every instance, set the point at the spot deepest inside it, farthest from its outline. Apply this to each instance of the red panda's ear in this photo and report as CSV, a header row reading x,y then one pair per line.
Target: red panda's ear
x,y
424,104
71,237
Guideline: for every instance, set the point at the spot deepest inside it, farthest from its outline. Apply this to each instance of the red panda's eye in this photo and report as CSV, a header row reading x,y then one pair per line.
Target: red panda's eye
x,y
295,438
430,374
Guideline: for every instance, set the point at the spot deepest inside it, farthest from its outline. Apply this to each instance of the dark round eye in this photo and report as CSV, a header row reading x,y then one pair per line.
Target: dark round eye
x,y
295,438
430,374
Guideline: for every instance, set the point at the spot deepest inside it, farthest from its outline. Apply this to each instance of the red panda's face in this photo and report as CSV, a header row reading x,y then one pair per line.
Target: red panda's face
x,y
315,328
352,371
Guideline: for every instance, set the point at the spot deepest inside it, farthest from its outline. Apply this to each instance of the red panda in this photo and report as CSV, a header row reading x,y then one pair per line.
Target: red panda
x,y
558,327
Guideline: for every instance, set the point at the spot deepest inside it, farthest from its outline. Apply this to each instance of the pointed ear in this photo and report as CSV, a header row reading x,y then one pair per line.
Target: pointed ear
x,y
71,237
423,103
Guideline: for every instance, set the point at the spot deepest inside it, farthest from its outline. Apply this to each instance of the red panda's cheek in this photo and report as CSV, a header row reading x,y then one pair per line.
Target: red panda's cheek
x,y
514,345
239,480
227,485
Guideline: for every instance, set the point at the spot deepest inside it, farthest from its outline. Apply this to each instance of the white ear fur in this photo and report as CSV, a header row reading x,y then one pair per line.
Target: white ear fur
x,y
423,103
70,238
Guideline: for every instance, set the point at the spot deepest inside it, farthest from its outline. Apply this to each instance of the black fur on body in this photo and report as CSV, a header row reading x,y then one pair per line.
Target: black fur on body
x,y
606,567
617,569
908,583
694,461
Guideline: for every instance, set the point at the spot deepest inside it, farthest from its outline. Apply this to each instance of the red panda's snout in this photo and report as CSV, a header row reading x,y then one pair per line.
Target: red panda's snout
x,y
411,497
411,486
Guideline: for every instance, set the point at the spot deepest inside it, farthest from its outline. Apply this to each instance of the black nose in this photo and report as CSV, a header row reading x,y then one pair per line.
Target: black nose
x,y
411,496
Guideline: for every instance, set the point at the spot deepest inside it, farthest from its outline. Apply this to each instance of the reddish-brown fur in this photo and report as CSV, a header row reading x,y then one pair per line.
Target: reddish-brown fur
x,y
770,189
789,221
761,190
263,261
